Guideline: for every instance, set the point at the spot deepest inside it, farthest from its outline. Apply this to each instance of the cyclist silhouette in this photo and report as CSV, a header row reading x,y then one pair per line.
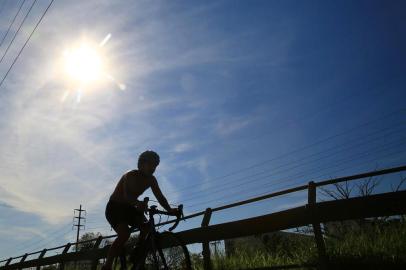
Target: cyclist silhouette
x,y
124,209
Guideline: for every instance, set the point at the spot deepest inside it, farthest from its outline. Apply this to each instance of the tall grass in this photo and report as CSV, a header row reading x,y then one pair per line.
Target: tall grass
x,y
379,245
372,243
243,259
293,251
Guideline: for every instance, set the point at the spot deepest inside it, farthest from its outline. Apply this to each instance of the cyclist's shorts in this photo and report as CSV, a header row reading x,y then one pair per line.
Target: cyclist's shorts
x,y
117,213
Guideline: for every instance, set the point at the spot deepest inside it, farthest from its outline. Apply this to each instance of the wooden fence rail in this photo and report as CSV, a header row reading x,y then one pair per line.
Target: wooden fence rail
x,y
385,204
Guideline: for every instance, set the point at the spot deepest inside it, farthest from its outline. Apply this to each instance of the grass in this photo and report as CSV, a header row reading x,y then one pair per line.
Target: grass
x,y
374,244
373,247
293,251
246,259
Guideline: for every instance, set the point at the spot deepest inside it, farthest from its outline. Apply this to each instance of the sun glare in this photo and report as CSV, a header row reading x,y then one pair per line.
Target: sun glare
x,y
83,64
84,67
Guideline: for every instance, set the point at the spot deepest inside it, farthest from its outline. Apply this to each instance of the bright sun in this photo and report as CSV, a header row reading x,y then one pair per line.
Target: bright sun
x,y
83,64
84,67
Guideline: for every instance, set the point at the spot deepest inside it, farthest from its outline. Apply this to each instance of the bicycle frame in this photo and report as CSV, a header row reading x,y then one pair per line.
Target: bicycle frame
x,y
148,243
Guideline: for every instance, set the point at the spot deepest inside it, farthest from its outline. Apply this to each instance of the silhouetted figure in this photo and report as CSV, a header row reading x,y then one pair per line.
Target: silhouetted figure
x,y
124,209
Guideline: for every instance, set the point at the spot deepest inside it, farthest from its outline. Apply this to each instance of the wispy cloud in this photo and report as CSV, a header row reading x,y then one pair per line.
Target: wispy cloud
x,y
182,147
228,126
4,205
21,233
56,155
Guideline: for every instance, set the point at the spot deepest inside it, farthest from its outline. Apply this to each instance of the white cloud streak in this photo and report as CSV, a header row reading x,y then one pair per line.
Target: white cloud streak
x,y
21,233
52,159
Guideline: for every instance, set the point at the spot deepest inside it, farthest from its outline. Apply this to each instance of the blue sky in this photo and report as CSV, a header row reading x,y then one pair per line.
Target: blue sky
x,y
302,90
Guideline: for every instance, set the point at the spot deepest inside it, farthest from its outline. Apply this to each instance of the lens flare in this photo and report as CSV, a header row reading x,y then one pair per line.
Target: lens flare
x,y
83,64
85,68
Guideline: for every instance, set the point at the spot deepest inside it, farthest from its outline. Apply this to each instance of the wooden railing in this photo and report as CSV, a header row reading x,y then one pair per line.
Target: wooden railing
x,y
384,204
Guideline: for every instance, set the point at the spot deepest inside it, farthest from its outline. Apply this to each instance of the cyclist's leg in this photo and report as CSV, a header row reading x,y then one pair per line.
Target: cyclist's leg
x,y
143,231
123,233
139,245
137,219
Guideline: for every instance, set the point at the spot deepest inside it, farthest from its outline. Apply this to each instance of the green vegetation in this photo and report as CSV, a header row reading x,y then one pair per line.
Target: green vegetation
x,y
244,259
377,246
375,243
288,251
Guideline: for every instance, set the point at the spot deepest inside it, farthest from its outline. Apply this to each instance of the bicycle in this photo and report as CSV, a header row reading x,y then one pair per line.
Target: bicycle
x,y
150,253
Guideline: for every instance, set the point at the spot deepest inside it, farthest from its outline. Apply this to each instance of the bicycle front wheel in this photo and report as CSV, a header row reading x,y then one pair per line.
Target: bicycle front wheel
x,y
170,254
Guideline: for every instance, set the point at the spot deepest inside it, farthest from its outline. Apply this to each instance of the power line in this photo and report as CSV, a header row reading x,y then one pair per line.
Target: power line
x,y
294,177
18,30
317,169
38,247
31,241
11,24
25,44
222,202
396,112
285,187
294,183
323,176
291,165
200,192
23,246
44,245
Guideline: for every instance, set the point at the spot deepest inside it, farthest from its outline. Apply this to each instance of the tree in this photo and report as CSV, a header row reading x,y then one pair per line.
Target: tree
x,y
85,237
398,187
344,191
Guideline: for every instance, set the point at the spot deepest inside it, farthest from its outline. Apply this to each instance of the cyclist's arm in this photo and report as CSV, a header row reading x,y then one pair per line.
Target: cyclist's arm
x,y
158,194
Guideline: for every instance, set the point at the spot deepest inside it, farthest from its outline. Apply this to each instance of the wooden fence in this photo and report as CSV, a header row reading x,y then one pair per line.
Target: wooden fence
x,y
314,213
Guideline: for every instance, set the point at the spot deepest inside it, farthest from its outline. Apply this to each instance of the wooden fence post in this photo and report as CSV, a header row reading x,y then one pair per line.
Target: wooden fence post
x,y
65,250
318,235
41,255
8,261
205,244
96,246
23,259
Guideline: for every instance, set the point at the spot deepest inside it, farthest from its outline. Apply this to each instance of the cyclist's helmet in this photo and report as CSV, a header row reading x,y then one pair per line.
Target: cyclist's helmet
x,y
149,156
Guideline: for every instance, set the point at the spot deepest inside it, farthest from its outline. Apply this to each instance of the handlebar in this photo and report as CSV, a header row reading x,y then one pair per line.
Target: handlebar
x,y
153,210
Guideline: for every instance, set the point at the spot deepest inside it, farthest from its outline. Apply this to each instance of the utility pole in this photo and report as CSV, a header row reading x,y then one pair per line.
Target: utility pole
x,y
80,210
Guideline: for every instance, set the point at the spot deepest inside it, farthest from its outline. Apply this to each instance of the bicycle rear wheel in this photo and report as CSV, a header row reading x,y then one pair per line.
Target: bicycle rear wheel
x,y
175,257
